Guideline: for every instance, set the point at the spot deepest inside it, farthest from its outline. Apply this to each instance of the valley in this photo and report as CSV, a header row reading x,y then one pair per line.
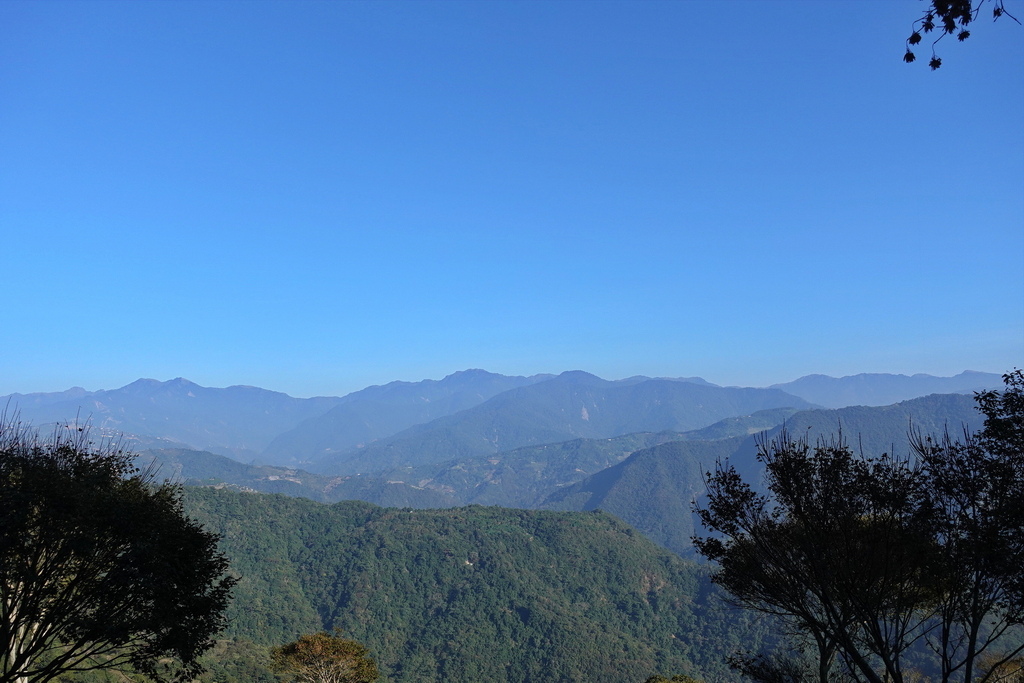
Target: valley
x,y
527,528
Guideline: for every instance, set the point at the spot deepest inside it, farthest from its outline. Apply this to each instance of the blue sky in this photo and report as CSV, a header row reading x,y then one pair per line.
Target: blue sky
x,y
317,196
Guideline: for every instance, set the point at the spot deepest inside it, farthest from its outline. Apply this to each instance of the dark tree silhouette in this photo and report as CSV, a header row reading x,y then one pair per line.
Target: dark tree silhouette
x,y
99,566
867,557
833,550
976,486
948,17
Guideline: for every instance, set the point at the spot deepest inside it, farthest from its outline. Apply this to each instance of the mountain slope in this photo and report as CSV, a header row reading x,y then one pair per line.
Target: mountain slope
x,y
202,468
246,422
380,411
249,423
572,405
652,488
470,594
524,477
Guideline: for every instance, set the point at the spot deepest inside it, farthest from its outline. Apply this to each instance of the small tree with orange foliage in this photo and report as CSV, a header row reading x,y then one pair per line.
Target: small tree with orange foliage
x,y
324,658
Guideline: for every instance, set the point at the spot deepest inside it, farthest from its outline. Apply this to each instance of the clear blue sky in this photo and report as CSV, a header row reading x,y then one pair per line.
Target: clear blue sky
x,y
317,196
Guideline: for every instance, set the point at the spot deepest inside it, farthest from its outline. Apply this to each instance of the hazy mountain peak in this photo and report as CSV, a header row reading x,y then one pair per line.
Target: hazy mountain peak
x,y
474,375
251,391
469,372
67,393
470,376
147,386
580,376
143,384
636,379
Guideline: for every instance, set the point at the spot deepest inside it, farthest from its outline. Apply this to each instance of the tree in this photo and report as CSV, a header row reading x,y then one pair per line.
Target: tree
x,y
949,17
99,566
976,487
833,550
869,558
325,658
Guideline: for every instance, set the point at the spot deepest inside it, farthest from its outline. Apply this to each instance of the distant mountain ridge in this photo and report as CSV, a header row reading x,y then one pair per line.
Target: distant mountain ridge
x,y
879,389
572,405
243,422
380,411
251,424
238,421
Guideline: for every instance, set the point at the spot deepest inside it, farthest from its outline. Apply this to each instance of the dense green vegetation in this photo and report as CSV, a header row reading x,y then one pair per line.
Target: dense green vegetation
x,y
470,594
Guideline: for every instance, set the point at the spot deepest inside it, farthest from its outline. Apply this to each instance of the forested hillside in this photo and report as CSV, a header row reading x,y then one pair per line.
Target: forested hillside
x,y
470,594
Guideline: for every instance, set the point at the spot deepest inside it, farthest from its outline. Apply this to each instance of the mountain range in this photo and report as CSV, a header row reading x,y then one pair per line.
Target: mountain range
x,y
238,421
556,579
648,479
569,406
365,416
877,389
468,413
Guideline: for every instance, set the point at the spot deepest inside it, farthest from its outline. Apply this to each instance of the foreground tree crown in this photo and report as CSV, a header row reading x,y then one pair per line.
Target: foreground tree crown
x,y
324,658
867,560
99,567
